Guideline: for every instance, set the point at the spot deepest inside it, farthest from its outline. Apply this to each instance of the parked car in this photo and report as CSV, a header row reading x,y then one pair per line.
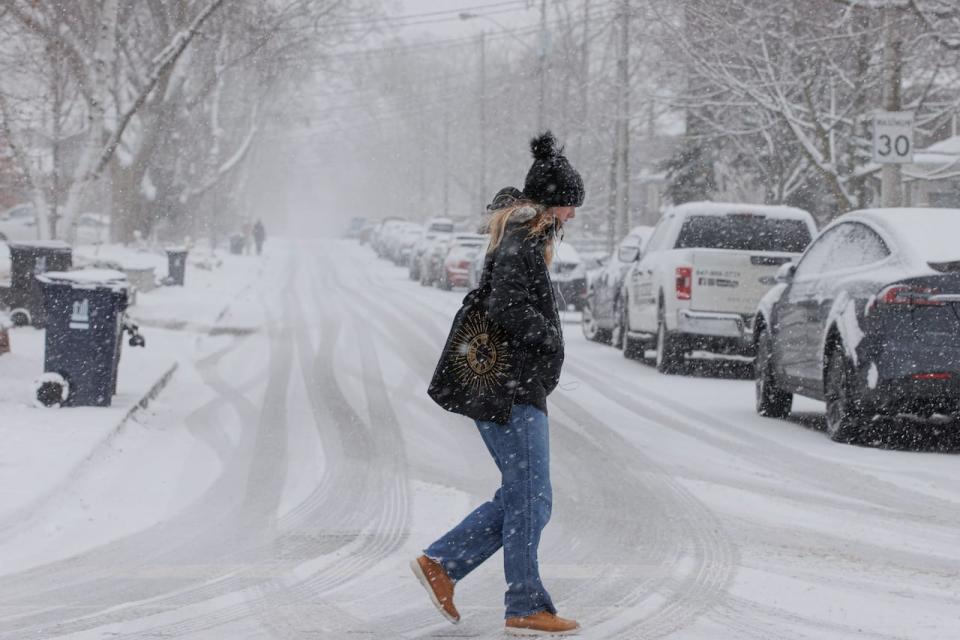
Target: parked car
x,y
18,224
867,321
476,268
366,233
409,238
569,277
431,257
382,232
432,261
705,268
440,225
92,228
416,253
601,309
356,225
460,259
401,235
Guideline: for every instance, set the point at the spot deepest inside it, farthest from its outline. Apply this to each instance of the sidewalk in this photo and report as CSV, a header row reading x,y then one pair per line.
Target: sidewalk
x,y
44,449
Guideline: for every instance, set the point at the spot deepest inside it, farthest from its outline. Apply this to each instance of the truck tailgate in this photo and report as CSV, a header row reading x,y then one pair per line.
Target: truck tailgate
x,y
733,281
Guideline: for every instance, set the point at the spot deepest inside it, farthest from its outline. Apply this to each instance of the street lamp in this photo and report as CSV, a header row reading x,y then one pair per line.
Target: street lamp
x,y
541,53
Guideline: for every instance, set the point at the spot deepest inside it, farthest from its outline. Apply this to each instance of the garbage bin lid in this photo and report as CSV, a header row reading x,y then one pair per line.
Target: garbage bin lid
x,y
50,245
180,249
93,278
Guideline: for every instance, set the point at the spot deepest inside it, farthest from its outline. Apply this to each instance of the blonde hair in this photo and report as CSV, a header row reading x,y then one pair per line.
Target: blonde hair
x,y
540,224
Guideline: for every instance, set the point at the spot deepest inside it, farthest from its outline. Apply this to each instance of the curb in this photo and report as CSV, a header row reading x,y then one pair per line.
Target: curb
x,y
192,327
144,402
26,511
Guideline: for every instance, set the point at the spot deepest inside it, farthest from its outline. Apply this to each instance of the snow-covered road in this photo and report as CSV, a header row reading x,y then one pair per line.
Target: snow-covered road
x,y
316,468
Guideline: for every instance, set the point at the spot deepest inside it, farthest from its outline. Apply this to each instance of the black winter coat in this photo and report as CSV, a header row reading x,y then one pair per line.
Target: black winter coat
x,y
522,302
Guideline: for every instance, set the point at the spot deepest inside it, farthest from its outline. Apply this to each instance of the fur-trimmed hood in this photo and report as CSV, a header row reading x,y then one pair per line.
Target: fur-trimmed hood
x,y
524,214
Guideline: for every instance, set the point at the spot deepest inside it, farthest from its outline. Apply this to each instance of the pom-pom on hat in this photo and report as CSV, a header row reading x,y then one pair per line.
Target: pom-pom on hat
x,y
552,180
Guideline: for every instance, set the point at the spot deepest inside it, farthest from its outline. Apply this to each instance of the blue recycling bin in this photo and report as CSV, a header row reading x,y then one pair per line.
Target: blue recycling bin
x,y
85,322
176,266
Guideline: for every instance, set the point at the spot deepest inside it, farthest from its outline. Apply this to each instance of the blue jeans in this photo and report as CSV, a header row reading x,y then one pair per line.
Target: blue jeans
x,y
519,511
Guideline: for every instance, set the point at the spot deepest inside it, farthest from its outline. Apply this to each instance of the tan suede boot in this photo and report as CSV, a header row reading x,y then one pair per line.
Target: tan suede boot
x,y
439,586
542,623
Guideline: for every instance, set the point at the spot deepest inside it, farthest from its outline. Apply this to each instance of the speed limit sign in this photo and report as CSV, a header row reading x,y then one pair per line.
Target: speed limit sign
x,y
893,137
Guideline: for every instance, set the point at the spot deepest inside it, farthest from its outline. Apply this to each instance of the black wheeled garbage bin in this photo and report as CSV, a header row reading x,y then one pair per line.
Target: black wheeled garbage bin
x,y
236,244
176,265
24,297
85,323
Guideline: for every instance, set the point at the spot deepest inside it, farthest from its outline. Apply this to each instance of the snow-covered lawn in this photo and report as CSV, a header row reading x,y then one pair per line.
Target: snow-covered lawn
x,y
44,450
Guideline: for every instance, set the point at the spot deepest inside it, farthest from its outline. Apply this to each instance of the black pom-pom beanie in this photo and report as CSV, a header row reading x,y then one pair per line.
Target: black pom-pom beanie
x,y
552,181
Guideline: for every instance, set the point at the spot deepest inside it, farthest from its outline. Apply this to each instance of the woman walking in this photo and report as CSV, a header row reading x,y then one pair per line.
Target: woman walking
x,y
517,297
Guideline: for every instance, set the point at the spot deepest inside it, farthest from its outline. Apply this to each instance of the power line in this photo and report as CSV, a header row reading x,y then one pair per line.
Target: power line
x,y
430,14
453,42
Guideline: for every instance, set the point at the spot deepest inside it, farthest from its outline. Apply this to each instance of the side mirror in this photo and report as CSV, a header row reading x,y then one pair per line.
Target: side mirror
x,y
786,272
629,254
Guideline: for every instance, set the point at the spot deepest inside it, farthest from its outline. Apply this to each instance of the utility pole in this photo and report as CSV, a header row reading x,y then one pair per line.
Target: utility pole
x,y
584,76
483,120
542,68
622,204
446,160
891,189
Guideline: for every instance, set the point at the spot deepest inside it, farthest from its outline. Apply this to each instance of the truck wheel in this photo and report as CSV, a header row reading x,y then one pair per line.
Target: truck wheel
x,y
772,401
591,329
669,349
632,348
846,414
618,333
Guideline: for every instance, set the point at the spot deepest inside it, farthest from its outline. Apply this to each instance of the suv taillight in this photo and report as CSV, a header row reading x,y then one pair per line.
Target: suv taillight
x,y
909,295
684,283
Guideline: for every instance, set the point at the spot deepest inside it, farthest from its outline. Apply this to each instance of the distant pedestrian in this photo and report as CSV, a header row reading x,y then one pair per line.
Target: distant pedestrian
x,y
259,235
247,235
502,360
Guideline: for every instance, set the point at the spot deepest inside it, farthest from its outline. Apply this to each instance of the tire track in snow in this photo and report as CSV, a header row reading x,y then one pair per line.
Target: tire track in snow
x,y
703,586
89,581
887,497
367,506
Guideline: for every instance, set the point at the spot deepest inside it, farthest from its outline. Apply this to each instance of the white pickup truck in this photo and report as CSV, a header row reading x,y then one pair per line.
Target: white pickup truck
x,y
698,281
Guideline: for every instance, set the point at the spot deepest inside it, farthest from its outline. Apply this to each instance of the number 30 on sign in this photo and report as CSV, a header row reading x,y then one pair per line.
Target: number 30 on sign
x,y
893,137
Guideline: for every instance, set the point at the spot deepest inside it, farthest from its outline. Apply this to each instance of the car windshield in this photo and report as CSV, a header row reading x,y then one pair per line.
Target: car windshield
x,y
744,232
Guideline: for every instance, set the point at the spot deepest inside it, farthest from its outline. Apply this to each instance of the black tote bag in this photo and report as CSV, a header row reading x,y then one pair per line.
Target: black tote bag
x,y
479,367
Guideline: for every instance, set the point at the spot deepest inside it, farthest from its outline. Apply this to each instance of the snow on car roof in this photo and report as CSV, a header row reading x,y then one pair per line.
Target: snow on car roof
x,y
724,208
567,254
925,234
641,233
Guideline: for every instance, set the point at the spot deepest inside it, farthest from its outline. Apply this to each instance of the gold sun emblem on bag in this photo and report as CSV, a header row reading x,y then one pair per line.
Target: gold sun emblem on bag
x,y
481,356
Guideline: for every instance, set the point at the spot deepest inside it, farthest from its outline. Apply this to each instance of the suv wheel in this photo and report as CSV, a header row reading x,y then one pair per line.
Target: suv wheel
x,y
846,414
772,401
669,349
